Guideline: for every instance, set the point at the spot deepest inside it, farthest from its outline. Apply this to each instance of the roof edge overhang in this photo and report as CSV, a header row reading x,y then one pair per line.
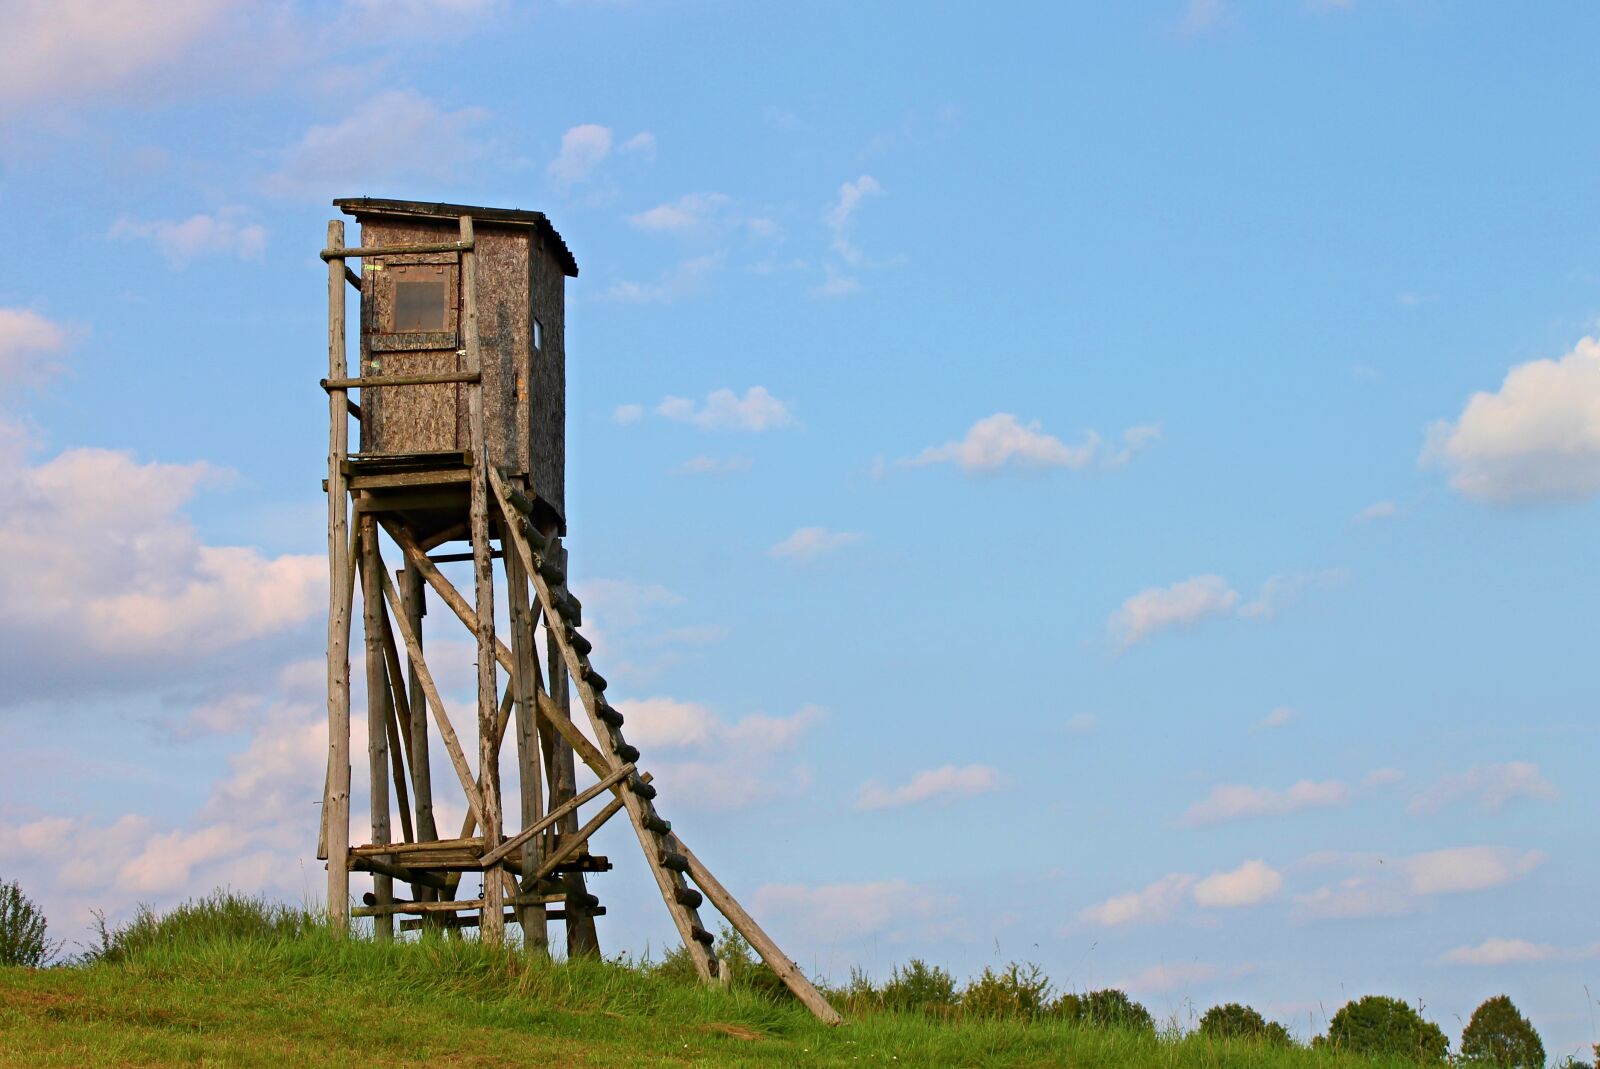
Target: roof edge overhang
x,y
417,209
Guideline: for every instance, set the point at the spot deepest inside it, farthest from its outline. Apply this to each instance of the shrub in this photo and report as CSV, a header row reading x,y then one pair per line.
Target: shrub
x,y
22,930
1377,1025
1017,991
1234,1021
919,986
1499,1035
221,915
1108,1008
744,968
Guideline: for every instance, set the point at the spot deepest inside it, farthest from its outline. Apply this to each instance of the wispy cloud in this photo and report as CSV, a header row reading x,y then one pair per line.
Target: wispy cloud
x,y
1378,510
935,783
1394,886
809,543
1002,441
724,410
708,465
29,345
1250,884
1496,952
225,233
583,148
375,146
686,278
1185,604
1490,786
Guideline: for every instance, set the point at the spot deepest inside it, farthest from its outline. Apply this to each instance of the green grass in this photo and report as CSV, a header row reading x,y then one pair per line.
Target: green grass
x,y
220,986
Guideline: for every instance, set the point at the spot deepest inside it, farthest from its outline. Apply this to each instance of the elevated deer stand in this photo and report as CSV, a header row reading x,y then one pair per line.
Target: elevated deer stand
x,y
461,411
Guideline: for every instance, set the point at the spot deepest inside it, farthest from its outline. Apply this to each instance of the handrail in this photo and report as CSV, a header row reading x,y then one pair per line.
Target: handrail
x,y
402,380
396,250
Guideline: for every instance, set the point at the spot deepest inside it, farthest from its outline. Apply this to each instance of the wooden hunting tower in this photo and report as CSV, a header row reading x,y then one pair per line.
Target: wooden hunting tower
x,y
460,401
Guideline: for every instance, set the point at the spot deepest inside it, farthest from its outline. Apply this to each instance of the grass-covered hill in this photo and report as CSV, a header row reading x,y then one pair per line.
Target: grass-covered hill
x,y
233,982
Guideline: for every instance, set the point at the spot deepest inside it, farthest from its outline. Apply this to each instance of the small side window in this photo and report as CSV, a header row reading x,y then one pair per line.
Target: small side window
x,y
538,333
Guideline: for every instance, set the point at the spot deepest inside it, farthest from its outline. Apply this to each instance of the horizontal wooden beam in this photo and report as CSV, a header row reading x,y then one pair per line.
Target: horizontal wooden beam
x,y
373,381
396,250
388,908
556,814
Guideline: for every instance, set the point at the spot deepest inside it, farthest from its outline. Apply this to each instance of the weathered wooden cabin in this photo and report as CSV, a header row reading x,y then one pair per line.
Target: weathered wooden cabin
x,y
411,308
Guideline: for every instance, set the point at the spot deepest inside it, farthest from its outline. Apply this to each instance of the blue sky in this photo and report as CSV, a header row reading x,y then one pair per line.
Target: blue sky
x,y
1109,486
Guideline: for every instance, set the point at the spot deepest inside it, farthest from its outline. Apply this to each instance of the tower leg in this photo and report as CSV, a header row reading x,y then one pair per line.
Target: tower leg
x,y
411,599
582,938
336,798
377,715
525,682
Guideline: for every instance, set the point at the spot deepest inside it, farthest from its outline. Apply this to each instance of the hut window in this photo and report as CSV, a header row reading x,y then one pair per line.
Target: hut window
x,y
538,334
420,306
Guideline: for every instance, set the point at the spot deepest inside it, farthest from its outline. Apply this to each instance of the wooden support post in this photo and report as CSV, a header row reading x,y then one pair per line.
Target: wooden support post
x,y
589,793
483,572
530,782
377,712
412,605
336,801
447,732
582,937
352,555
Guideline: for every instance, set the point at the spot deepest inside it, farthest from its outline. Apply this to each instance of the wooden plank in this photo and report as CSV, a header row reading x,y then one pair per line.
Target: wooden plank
x,y
438,378
336,254
336,800
440,477
759,940
569,806
526,684
377,713
483,582
468,846
580,839
447,732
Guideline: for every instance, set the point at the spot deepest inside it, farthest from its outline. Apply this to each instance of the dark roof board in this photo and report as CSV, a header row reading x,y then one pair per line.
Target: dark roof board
x,y
359,206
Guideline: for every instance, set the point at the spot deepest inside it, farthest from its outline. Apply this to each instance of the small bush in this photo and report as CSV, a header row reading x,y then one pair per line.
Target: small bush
x,y
1107,1008
1017,991
1233,1021
22,930
1500,1036
745,969
1377,1025
221,915
919,987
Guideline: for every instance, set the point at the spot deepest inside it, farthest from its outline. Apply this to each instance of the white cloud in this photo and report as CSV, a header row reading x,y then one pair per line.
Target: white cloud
x,y
644,143
1496,952
1229,802
682,280
583,148
27,342
119,577
689,213
626,414
809,543
839,213
1203,15
1536,439
934,783
73,49
1161,979
1184,604
1154,902
1467,868
1491,786
724,410
835,283
849,911
1001,440
1134,439
1181,605
704,465
1280,717
1281,591
714,764
1378,510
394,137
1394,886
1081,724
1250,884
198,235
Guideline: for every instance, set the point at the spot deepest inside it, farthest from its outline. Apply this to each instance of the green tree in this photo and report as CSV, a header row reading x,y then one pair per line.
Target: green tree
x,y
1378,1025
22,929
1108,1008
1233,1021
919,986
1500,1036
1018,991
